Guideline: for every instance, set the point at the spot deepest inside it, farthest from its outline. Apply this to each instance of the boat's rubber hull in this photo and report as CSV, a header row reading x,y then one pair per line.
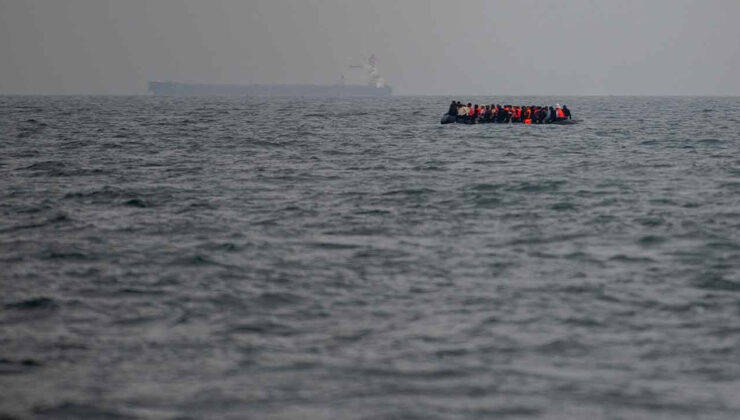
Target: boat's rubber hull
x,y
564,122
451,119
448,119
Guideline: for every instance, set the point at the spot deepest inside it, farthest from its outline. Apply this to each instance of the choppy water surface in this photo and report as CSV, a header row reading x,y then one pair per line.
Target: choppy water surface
x,y
355,259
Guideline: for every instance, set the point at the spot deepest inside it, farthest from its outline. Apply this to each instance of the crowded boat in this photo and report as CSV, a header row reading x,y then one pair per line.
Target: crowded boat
x,y
503,114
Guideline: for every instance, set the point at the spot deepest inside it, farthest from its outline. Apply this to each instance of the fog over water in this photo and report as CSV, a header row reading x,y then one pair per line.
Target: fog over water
x,y
576,47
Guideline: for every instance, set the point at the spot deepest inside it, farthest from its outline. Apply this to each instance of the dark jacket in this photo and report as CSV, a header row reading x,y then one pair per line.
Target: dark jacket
x,y
453,109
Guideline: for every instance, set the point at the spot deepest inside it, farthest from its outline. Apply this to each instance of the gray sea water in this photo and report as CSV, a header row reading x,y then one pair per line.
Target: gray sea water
x,y
233,258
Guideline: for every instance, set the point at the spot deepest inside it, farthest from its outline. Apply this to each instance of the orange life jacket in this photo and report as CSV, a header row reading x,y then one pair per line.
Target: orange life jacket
x,y
528,121
518,113
560,113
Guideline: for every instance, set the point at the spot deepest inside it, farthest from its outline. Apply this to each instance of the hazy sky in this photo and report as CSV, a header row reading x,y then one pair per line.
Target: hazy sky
x,y
566,47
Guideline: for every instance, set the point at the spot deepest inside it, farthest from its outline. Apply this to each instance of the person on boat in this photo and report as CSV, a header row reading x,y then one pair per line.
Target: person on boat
x,y
462,112
487,114
559,114
453,109
527,115
501,114
566,112
466,115
539,114
549,115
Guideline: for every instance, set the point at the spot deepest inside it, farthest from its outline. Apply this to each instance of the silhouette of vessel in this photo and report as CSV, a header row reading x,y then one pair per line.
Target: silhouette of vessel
x,y
375,87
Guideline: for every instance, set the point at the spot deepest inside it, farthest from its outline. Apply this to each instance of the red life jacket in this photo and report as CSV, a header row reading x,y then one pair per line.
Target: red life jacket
x,y
528,121
518,113
560,113
471,112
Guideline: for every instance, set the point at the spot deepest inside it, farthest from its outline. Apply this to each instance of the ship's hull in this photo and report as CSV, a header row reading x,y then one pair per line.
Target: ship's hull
x,y
333,91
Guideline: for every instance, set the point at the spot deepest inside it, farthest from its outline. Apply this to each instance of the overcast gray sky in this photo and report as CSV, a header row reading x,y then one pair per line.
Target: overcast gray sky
x,y
566,47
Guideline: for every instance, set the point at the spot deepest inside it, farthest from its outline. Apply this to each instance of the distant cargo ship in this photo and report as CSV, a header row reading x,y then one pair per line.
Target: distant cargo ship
x,y
375,87
189,89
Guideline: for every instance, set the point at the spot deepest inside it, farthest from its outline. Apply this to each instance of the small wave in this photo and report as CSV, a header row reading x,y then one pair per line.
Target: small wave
x,y
732,185
15,367
60,169
65,255
58,218
220,246
108,194
563,346
537,186
79,411
263,328
714,281
334,245
563,206
195,260
651,240
141,292
630,259
49,165
34,304
487,202
136,202
650,221
410,191
486,187
710,141
373,212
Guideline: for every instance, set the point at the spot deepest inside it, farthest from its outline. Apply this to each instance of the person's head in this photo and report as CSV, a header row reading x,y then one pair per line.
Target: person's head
x,y
469,105
565,107
488,107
